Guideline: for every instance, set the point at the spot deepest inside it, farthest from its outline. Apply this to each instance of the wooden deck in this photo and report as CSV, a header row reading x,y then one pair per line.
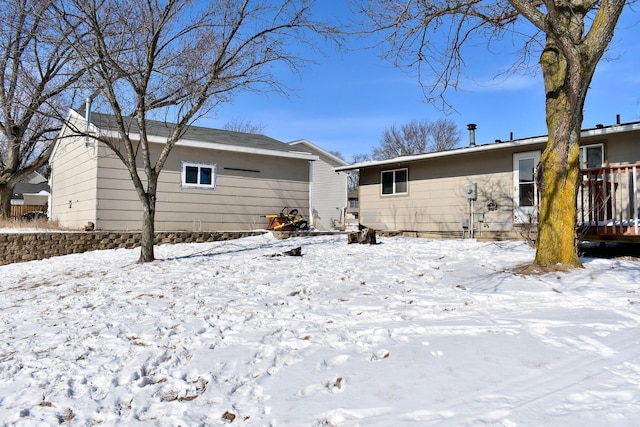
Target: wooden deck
x,y
608,204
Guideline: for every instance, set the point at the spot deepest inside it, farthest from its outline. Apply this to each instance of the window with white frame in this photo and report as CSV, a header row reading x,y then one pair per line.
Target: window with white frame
x,y
394,181
197,175
591,156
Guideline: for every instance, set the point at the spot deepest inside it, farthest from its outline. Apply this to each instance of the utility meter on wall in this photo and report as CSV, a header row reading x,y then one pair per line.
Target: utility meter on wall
x,y
471,191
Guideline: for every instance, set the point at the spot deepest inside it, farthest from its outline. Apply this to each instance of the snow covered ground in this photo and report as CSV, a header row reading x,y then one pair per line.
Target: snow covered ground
x,y
407,332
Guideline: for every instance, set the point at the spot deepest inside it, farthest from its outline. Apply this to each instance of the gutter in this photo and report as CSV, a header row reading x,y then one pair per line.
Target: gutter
x,y
599,131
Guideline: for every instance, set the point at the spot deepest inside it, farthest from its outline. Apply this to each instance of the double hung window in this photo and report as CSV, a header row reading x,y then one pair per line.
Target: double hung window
x,y
591,156
394,181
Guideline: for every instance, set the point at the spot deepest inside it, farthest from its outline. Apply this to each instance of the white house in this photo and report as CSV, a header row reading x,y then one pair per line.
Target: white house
x,y
328,193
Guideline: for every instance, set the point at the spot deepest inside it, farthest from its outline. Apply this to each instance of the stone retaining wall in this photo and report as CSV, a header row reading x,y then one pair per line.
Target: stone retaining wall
x,y
20,247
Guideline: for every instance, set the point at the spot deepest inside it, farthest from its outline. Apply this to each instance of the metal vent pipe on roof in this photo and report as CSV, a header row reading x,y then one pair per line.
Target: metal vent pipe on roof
x,y
87,118
472,134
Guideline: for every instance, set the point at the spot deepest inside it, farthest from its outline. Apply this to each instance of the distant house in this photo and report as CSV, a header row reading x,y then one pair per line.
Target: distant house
x,y
489,191
214,180
32,190
352,203
30,194
328,199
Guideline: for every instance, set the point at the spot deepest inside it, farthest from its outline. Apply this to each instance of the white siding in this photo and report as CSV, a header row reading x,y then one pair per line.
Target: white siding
x,y
73,182
328,197
329,194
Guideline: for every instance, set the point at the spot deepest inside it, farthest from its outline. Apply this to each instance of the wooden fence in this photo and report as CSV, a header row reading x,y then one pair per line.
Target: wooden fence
x,y
19,210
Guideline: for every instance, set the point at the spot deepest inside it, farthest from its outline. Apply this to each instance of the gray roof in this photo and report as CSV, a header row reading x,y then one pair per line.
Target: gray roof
x,y
195,133
27,188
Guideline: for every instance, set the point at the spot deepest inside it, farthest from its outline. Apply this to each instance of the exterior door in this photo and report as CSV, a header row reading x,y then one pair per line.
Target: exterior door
x,y
525,197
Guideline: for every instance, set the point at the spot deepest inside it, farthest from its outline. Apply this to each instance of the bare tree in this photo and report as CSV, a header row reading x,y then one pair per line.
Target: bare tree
x,y
353,176
246,126
37,71
570,37
176,60
417,137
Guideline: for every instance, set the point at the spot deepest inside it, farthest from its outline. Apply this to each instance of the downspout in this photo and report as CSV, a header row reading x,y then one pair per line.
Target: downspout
x,y
311,218
87,117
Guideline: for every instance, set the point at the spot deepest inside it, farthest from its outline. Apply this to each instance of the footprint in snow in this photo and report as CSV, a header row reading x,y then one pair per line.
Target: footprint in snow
x,y
335,385
380,355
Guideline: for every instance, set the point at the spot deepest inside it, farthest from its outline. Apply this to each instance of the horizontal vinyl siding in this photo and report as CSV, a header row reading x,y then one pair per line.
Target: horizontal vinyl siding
x,y
239,201
624,148
73,184
436,199
329,194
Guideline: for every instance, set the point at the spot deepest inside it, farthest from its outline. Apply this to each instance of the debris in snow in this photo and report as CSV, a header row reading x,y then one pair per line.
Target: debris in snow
x,y
292,252
366,235
228,416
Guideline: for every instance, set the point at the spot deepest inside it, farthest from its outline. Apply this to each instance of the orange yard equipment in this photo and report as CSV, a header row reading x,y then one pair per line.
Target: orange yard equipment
x,y
287,220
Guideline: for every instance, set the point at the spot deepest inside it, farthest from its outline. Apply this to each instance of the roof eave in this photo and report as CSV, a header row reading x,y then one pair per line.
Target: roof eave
x,y
220,147
627,127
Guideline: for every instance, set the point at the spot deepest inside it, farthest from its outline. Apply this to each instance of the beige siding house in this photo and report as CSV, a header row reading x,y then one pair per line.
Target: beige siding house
x,y
214,180
328,198
489,191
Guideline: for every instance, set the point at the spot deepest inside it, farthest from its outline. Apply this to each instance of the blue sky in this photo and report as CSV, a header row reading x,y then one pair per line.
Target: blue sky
x,y
345,101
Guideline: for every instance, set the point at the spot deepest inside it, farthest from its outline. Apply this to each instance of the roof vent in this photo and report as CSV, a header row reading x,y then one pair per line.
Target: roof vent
x,y
472,134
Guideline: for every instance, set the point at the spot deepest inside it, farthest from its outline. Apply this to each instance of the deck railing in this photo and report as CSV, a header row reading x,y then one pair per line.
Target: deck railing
x,y
608,201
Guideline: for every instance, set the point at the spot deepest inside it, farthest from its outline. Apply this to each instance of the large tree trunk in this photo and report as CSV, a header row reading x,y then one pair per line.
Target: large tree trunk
x,y
559,169
558,176
6,191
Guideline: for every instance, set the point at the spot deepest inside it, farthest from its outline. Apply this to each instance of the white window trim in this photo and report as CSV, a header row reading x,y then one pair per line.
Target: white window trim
x,y
191,186
583,153
394,193
524,214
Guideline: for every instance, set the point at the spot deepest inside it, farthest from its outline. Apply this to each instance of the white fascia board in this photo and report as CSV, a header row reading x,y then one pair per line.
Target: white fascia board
x,y
608,130
495,146
220,147
447,153
71,115
315,147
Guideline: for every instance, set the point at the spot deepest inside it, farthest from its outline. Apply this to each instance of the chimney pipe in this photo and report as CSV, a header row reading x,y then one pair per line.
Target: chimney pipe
x,y
87,118
472,134
617,119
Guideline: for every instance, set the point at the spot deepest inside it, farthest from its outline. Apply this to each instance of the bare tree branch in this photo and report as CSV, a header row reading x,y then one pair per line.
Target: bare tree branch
x,y
39,75
175,61
417,137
